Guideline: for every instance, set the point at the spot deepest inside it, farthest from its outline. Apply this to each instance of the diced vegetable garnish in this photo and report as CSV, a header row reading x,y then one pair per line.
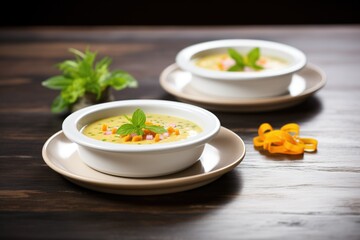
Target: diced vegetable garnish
x,y
139,129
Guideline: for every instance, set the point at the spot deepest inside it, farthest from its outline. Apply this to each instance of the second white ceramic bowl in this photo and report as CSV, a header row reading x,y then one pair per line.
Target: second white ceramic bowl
x,y
257,84
140,160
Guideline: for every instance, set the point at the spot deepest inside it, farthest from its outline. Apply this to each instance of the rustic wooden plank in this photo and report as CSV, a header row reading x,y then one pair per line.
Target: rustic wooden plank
x,y
313,196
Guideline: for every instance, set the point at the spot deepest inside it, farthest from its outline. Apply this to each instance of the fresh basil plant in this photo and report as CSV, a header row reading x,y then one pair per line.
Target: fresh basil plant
x,y
84,75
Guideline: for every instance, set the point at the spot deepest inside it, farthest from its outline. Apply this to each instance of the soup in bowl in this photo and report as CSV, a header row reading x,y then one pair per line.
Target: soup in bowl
x,y
241,68
156,129
224,62
141,138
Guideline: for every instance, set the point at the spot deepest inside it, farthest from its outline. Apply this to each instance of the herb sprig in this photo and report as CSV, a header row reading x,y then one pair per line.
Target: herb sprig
x,y
137,125
83,75
244,61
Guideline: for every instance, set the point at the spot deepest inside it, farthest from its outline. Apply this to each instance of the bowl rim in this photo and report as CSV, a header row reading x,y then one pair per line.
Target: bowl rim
x,y
71,131
184,59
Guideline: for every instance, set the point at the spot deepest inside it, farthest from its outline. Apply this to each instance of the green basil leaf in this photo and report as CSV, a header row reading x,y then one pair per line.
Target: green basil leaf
x,y
138,118
102,71
95,77
103,64
237,57
257,67
93,87
85,65
156,129
137,124
126,129
72,92
102,76
116,83
120,79
70,68
77,52
253,56
235,68
129,119
59,105
139,131
57,82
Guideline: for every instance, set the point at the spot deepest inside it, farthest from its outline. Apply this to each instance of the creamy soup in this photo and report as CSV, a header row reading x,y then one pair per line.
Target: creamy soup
x,y
176,129
222,62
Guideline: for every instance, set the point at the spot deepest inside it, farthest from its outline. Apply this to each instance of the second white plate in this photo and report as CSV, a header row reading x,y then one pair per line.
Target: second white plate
x,y
221,155
304,84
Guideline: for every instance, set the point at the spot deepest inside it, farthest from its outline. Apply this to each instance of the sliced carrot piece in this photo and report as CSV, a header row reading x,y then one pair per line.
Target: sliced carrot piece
x,y
136,138
286,140
127,138
113,131
170,130
104,127
146,131
157,138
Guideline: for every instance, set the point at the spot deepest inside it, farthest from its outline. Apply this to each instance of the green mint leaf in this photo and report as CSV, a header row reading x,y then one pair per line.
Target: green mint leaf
x,y
126,129
257,67
69,68
57,82
130,80
235,68
155,129
139,131
59,105
237,57
241,62
120,79
102,76
94,88
72,92
138,118
103,64
95,77
77,52
137,124
102,72
116,83
85,66
129,119
252,57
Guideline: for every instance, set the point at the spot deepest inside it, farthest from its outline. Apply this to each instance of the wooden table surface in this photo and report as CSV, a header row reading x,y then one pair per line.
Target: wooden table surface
x,y
315,196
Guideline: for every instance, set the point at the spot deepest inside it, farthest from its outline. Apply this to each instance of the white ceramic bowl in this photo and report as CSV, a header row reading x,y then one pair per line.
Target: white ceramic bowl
x,y
241,84
140,160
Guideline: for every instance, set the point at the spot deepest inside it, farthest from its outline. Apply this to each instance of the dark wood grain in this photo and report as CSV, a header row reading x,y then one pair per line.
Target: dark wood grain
x,y
315,196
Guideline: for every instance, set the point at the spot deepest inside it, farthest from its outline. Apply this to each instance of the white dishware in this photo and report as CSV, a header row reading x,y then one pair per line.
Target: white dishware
x,y
304,83
254,84
140,160
221,154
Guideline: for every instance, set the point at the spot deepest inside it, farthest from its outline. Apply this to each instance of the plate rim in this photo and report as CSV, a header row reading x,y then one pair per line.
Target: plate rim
x,y
245,101
158,183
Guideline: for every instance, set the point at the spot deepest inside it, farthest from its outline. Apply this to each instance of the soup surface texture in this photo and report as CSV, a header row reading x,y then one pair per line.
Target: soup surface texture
x,y
176,129
222,62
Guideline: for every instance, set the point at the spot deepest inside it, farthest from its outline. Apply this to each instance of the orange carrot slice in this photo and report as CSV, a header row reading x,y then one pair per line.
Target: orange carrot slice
x,y
136,138
285,141
127,138
157,138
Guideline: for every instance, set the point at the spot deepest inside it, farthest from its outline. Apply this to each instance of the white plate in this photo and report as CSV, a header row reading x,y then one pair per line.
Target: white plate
x,y
220,156
304,84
